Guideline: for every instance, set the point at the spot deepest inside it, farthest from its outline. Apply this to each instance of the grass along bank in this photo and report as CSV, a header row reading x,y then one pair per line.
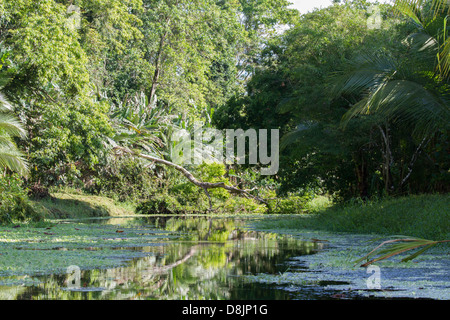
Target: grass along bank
x,y
74,205
422,216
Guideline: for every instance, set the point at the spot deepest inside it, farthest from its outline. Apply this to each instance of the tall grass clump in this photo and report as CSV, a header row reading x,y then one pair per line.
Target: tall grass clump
x,y
421,216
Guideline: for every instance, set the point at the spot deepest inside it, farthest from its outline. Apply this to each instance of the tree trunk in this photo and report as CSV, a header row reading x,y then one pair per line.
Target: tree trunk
x,y
388,160
157,72
361,175
413,160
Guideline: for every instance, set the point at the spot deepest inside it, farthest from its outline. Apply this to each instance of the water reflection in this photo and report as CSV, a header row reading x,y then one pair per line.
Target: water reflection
x,y
205,261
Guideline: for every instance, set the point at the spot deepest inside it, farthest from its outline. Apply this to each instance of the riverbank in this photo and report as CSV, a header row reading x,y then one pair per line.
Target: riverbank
x,y
75,205
421,216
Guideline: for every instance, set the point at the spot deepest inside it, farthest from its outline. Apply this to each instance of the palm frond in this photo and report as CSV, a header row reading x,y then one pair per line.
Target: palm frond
x,y
366,71
11,126
444,53
139,124
398,246
420,41
439,6
406,101
411,9
296,135
13,159
5,106
427,26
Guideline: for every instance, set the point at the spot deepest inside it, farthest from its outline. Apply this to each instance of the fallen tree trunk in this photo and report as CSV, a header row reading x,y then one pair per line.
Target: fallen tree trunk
x,y
201,184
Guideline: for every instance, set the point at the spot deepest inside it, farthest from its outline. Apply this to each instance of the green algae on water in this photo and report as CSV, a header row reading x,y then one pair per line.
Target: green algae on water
x,y
37,251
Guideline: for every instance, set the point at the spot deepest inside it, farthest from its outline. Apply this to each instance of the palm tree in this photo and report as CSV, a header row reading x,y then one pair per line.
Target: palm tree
x,y
412,88
397,90
409,89
10,156
431,21
148,127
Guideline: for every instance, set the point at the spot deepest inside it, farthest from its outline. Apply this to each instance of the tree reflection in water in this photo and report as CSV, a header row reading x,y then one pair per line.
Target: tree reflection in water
x,y
206,261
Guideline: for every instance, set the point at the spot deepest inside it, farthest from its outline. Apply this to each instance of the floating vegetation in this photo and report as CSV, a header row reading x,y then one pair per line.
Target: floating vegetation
x,y
188,258
334,275
27,250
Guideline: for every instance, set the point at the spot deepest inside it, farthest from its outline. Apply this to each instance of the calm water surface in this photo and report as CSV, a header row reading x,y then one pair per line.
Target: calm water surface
x,y
207,258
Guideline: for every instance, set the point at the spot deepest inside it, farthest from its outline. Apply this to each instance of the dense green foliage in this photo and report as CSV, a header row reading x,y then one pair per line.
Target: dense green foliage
x,y
94,95
76,71
14,202
363,111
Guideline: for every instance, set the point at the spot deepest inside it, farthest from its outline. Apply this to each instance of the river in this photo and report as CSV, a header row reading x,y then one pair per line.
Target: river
x,y
174,258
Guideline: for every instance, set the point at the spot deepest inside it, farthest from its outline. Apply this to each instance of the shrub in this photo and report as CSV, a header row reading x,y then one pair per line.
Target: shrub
x,y
238,204
67,140
191,195
161,204
125,179
188,193
14,203
292,204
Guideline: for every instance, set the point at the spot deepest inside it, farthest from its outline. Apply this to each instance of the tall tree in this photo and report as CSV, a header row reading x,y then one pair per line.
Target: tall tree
x,y
291,90
185,42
